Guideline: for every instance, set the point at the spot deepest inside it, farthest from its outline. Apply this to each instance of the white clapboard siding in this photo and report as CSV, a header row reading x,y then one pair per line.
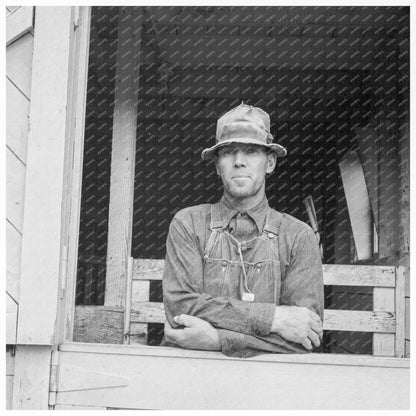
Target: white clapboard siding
x,y
19,22
19,57
13,259
15,189
17,120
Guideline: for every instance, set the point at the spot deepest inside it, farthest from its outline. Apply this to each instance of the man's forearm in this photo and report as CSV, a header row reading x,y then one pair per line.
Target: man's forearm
x,y
223,312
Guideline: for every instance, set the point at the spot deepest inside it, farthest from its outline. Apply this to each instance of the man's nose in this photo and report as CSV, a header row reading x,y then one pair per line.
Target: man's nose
x,y
239,158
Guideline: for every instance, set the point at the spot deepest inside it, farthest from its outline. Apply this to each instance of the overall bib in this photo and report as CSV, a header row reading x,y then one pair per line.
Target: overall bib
x,y
245,270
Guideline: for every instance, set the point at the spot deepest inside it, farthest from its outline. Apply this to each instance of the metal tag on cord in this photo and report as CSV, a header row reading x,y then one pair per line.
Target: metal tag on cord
x,y
248,297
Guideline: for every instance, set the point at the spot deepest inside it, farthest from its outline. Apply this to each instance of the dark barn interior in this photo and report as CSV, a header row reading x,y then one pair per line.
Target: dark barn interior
x,y
332,80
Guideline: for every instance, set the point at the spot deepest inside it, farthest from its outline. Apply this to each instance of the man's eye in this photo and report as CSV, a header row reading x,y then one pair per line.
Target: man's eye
x,y
251,150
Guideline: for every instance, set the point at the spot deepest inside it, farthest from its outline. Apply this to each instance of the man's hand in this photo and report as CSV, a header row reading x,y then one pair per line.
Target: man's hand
x,y
197,334
298,324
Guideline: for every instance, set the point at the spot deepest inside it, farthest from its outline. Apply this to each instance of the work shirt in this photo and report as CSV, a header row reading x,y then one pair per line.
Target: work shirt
x,y
282,266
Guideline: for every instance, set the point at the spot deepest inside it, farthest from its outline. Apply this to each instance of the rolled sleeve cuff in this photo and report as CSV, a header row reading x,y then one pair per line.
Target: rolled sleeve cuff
x,y
260,318
232,343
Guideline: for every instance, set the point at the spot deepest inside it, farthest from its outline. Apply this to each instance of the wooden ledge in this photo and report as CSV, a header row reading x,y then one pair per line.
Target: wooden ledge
x,y
314,358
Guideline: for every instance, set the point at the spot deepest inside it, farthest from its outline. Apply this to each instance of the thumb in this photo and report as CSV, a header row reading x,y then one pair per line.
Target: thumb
x,y
185,320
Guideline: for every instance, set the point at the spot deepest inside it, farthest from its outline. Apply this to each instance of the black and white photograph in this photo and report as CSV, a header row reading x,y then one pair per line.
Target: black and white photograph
x,y
207,206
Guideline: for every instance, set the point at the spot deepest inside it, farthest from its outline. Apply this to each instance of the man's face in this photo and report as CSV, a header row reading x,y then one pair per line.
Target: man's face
x,y
243,169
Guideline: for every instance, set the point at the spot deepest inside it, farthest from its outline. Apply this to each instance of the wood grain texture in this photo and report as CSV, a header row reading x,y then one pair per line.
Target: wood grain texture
x,y
400,311
357,275
383,300
98,324
79,103
233,383
44,187
19,57
18,23
334,274
153,312
123,155
31,377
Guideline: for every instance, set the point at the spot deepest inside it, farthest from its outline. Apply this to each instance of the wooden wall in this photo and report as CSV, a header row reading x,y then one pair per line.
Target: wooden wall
x,y
19,53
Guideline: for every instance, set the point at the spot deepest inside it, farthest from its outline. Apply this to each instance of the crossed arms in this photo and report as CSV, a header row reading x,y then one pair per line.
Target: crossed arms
x,y
196,320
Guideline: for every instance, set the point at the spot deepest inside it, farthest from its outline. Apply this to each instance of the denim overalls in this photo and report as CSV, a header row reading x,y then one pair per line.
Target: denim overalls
x,y
246,270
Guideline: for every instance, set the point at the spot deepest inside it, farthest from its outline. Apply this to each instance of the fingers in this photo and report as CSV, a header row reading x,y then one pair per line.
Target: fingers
x,y
314,338
307,344
185,320
317,328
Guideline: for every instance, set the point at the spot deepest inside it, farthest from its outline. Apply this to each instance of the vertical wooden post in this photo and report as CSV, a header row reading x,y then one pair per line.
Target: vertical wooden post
x,y
123,154
383,300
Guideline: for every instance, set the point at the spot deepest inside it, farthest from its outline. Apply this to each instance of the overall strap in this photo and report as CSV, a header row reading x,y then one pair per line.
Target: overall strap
x,y
215,226
273,217
216,221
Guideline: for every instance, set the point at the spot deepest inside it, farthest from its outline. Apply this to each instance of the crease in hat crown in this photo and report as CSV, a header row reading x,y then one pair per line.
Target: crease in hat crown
x,y
244,124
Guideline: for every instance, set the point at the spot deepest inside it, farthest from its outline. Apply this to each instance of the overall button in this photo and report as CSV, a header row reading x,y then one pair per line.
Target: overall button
x,y
270,235
224,264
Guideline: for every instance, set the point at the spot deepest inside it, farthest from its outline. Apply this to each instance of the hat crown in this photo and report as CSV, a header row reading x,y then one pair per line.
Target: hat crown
x,y
244,121
244,124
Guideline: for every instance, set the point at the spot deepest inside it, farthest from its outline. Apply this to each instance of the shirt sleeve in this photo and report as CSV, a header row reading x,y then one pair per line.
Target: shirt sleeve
x,y
234,344
183,290
302,285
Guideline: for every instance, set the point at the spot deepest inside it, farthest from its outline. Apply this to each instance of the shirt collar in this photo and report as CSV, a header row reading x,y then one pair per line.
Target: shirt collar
x,y
257,213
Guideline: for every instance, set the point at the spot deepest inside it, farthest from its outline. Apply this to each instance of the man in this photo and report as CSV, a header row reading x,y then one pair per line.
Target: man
x,y
240,277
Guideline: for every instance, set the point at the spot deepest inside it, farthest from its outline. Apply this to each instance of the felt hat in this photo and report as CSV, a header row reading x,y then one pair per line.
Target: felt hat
x,y
244,124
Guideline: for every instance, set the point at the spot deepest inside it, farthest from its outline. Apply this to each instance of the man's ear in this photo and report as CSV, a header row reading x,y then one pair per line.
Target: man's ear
x,y
217,169
271,162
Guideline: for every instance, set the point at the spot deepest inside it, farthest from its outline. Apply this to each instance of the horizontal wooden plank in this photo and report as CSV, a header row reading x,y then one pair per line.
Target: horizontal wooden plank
x,y
360,321
148,269
339,320
334,274
18,22
98,324
153,371
314,358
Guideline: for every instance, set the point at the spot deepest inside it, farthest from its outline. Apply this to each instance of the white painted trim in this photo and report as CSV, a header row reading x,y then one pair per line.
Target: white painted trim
x,y
168,378
44,190
74,178
314,358
19,22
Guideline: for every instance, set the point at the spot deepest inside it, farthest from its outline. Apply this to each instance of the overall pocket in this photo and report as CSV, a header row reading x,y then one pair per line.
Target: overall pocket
x,y
264,281
215,274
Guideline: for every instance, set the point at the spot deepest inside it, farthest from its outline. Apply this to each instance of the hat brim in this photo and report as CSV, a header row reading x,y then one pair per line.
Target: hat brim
x,y
210,151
